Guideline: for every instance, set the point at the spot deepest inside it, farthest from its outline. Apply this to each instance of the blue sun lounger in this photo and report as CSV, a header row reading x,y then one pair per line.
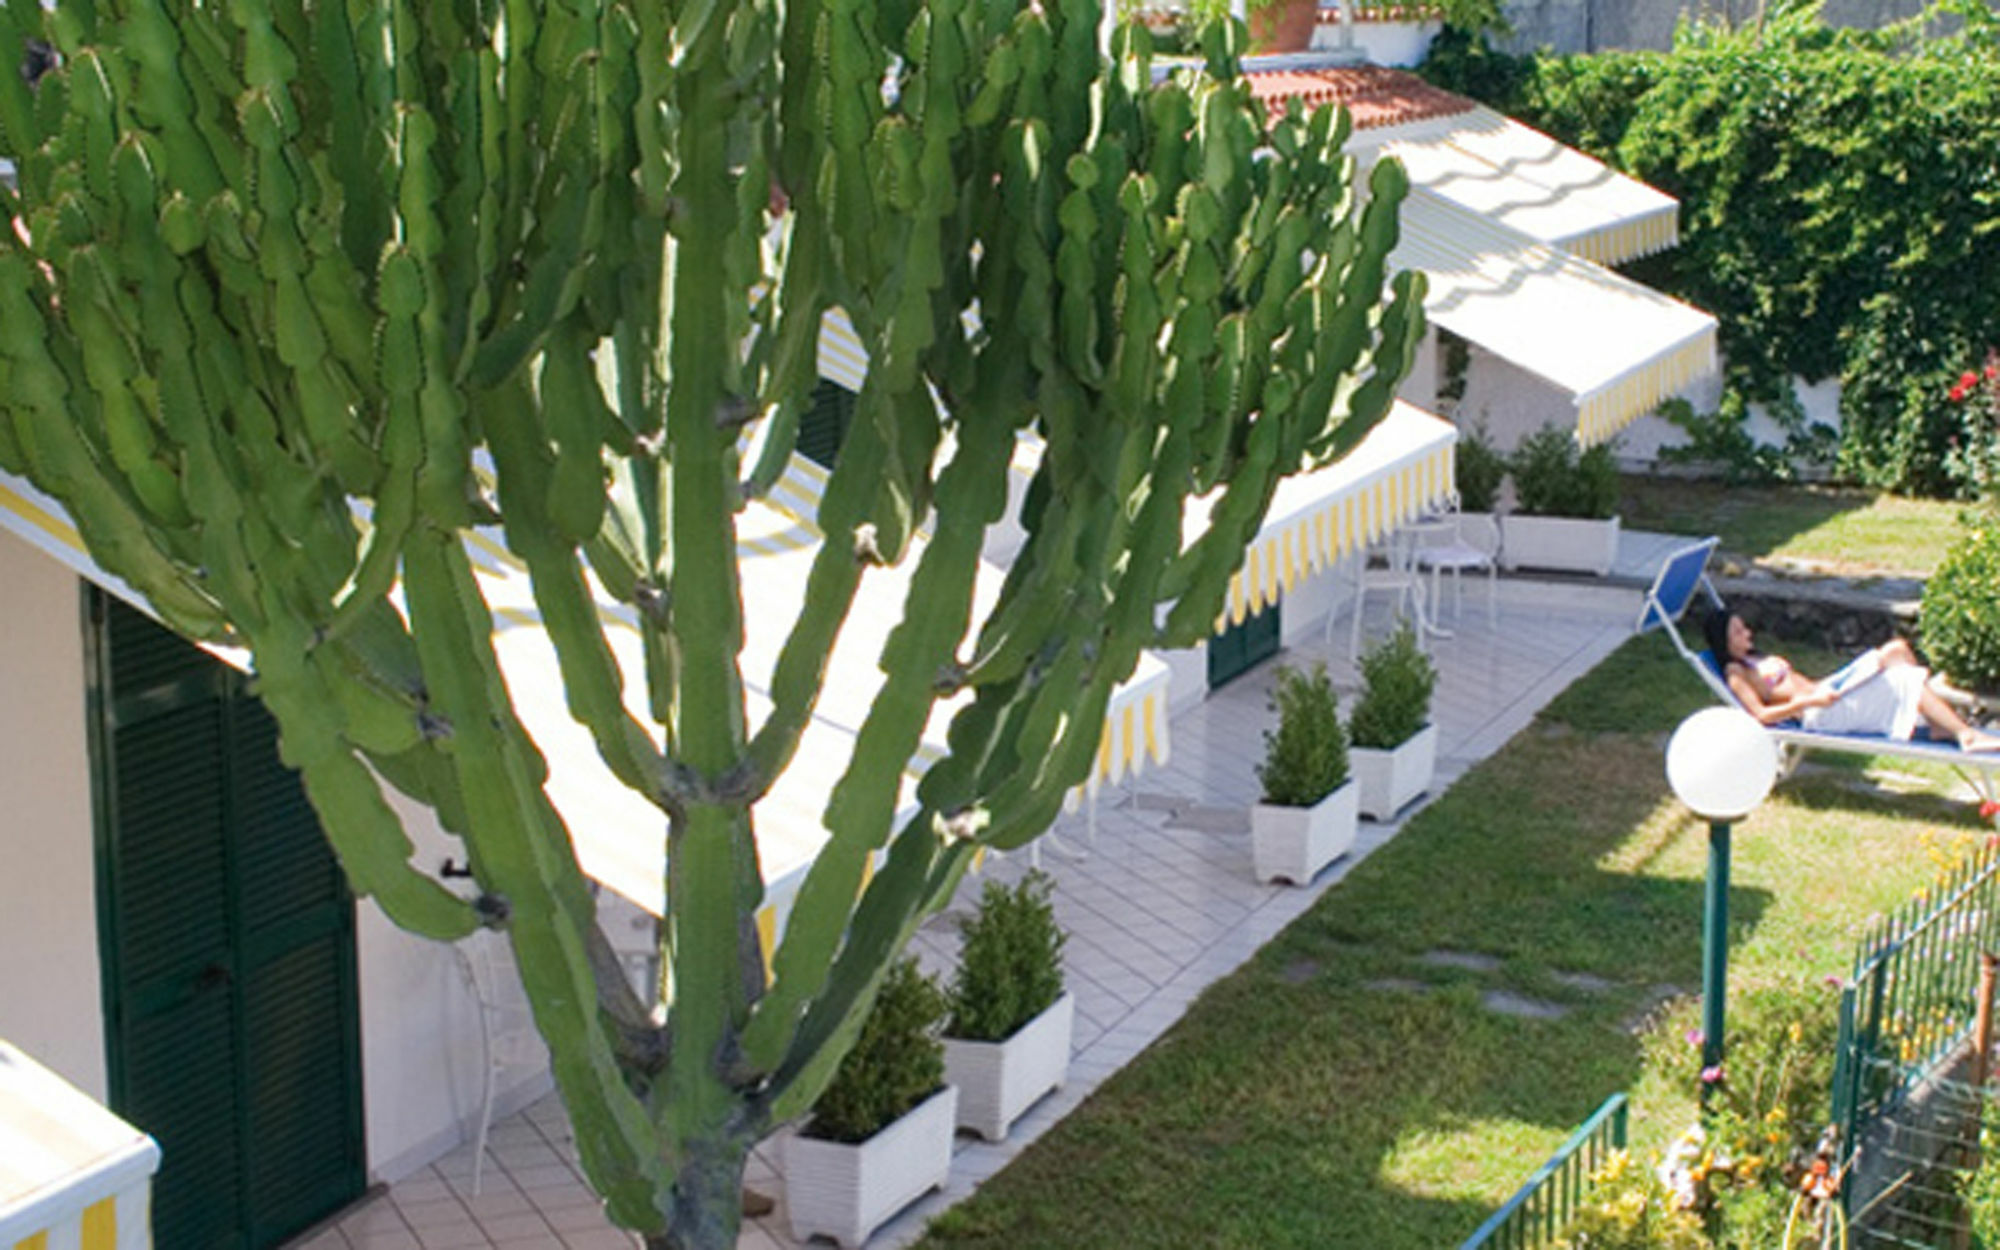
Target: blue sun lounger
x,y
1683,575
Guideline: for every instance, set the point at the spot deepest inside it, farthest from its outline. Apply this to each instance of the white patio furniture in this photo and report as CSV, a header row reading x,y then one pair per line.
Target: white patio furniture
x,y
1470,544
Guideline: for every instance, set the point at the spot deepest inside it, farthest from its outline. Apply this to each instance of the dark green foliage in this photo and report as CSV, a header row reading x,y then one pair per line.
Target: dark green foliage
x,y
1010,968
1305,757
1551,478
1397,682
1720,442
897,1063
1960,618
1838,188
1480,470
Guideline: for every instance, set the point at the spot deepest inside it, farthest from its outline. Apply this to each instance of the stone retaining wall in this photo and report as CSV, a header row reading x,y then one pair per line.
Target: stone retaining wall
x,y
1829,613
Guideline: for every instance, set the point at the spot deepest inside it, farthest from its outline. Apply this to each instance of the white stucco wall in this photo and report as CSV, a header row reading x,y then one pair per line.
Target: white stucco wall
x,y
49,996
423,1062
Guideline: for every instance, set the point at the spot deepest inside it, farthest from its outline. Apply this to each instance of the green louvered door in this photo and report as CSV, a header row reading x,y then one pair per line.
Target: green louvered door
x,y
228,941
823,425
1241,647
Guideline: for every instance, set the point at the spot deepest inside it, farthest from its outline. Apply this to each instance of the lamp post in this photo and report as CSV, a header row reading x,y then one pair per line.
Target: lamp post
x,y
1721,763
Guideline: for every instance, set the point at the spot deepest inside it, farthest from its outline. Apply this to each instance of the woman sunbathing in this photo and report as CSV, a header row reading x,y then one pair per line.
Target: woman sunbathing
x,y
1883,691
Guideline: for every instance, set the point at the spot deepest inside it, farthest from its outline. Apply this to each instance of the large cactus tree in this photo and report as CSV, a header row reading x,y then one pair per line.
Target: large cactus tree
x,y
272,258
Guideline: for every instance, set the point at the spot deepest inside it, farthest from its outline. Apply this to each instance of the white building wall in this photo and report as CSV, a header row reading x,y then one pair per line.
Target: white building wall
x,y
50,1003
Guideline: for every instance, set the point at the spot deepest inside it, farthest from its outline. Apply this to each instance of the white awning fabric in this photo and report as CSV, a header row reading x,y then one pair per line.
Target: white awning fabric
x,y
1403,469
1618,348
1492,165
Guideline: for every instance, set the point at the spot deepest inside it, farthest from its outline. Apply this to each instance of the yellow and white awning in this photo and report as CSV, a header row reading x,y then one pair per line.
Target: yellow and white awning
x,y
1492,165
1616,347
1403,469
73,1176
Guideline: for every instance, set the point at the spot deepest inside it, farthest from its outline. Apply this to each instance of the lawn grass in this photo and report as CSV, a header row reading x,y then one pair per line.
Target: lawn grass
x,y
1838,530
1347,1088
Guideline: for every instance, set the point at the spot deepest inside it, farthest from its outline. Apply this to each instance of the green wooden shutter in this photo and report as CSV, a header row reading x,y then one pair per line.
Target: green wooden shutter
x,y
228,949
1240,648
171,997
824,425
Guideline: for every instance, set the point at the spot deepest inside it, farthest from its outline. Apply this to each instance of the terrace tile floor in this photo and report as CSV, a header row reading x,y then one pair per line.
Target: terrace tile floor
x,y
1159,907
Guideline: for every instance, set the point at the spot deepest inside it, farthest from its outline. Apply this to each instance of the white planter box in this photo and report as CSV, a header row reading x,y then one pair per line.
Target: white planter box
x,y
846,1191
1569,544
1294,843
997,1081
1388,779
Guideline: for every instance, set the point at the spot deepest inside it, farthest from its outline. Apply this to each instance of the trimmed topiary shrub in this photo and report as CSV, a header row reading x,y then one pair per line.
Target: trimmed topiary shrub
x,y
1305,757
1480,470
1010,968
896,1063
1960,617
1551,478
1395,703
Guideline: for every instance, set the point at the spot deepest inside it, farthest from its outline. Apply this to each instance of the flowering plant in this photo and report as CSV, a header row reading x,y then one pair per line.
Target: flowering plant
x,y
1977,451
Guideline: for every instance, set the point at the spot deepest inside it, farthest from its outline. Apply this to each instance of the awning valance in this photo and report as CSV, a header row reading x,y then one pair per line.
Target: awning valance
x,y
1401,470
1616,347
1492,165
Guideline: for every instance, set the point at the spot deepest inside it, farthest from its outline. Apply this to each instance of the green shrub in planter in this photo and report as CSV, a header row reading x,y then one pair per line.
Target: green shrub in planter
x,y
896,1063
1397,682
1479,472
1960,617
1305,757
1552,479
1010,968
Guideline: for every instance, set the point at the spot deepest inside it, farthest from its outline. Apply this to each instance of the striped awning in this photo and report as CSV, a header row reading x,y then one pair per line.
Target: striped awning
x,y
1615,347
72,1175
1491,165
1403,469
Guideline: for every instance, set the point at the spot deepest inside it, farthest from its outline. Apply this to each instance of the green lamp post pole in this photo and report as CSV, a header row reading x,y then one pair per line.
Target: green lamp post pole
x,y
1721,763
1714,947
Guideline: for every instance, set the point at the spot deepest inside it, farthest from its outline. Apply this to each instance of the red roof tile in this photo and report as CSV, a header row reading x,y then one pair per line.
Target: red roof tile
x,y
1374,95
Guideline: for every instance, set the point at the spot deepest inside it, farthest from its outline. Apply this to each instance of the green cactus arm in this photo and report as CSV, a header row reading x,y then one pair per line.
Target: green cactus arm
x,y
861,809
921,871
592,683
522,857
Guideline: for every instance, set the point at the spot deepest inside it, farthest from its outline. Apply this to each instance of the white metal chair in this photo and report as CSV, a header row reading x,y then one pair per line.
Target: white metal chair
x,y
1472,545
507,1035
1398,579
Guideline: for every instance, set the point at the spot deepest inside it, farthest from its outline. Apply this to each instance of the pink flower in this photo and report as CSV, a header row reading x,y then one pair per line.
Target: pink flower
x,y
1693,1037
1712,1076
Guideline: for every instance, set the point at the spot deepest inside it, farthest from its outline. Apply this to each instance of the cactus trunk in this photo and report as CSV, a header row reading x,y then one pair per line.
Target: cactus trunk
x,y
536,267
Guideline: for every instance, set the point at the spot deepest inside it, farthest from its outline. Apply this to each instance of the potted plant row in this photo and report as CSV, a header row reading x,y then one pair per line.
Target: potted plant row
x,y
1008,1040
1393,739
1307,817
880,1135
1566,504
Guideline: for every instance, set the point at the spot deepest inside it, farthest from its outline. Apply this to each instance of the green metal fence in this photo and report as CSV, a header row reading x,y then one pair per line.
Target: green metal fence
x,y
1909,1008
1538,1213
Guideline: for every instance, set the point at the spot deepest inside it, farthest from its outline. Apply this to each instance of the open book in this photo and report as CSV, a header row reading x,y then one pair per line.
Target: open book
x,y
1866,666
